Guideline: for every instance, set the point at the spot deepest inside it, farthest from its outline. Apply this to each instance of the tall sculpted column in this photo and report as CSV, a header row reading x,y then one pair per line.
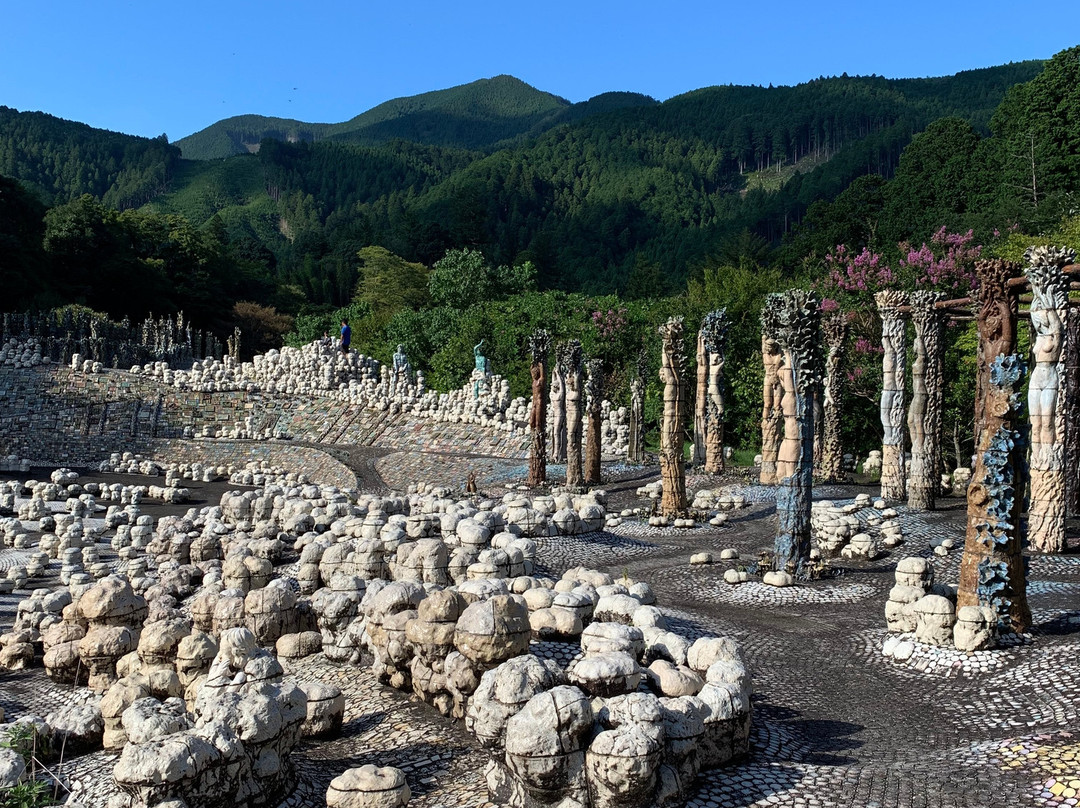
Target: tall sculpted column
x,y
572,376
800,376
835,329
635,451
771,414
538,347
992,568
594,395
672,374
894,361
557,397
714,330
924,414
701,400
1046,410
1071,387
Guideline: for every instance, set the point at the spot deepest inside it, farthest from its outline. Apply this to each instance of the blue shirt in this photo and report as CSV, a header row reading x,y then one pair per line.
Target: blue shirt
x,y
346,335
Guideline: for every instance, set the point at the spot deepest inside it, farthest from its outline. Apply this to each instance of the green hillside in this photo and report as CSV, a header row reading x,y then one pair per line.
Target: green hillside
x,y
616,194
61,160
478,115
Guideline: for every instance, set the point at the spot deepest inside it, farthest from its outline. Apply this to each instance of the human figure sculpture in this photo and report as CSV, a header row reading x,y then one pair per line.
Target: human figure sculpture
x,y
714,330
1049,308
538,346
835,330
894,361
402,368
924,412
771,414
1046,346
798,334
672,466
992,569
481,370
482,364
557,397
574,383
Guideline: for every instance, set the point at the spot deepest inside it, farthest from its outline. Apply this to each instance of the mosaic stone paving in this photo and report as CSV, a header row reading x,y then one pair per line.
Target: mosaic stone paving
x,y
836,722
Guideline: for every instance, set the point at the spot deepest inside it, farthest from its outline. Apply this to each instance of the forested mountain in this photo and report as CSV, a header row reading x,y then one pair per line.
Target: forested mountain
x,y
479,115
656,187
618,194
61,160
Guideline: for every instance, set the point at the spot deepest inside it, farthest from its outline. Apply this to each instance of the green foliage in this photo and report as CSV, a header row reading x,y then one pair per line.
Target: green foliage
x,y
1038,142
28,794
462,278
312,326
263,326
63,160
23,738
1065,233
389,283
943,174
21,254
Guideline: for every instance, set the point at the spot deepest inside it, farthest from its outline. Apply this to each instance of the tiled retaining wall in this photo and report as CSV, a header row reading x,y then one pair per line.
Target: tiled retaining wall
x,y
52,414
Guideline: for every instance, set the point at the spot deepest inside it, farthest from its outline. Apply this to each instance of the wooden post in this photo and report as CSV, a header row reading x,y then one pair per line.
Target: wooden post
x,y
924,414
800,376
594,394
672,465
835,328
538,346
992,568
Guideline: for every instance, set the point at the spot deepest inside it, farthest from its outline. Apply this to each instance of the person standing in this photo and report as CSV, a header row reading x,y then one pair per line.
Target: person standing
x,y
346,336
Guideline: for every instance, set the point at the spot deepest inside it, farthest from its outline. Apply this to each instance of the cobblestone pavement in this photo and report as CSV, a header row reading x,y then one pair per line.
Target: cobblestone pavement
x,y
836,723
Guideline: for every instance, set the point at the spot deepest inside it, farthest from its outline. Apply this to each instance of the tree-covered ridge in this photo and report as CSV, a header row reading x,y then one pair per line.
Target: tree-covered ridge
x,y
587,202
62,160
477,115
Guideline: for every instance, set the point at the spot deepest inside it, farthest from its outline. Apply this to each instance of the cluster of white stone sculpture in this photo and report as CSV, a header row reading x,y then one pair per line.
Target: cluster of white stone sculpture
x,y
14,463
438,590
319,370
855,530
591,739
21,354
917,605
711,504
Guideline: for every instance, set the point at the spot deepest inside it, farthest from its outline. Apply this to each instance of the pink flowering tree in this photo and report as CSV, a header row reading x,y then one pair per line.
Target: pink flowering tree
x,y
947,263
850,279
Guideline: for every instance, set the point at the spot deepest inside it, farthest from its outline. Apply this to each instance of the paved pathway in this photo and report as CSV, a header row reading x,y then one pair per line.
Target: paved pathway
x,y
836,723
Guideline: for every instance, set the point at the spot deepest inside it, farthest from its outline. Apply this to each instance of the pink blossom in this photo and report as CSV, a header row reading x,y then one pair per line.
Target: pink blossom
x,y
952,266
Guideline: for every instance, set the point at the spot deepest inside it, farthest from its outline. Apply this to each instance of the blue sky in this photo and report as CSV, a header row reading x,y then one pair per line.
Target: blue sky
x,y
150,67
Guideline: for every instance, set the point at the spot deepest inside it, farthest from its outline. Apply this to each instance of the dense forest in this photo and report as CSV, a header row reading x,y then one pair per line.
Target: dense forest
x,y
485,210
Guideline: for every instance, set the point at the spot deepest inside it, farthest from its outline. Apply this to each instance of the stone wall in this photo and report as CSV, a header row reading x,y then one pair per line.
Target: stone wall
x,y
54,415
80,413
